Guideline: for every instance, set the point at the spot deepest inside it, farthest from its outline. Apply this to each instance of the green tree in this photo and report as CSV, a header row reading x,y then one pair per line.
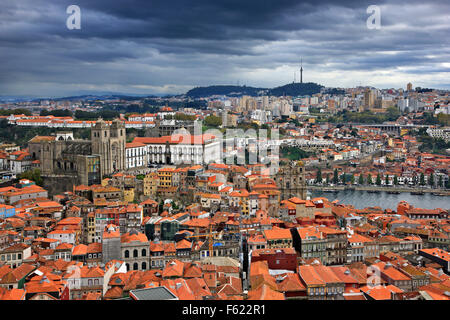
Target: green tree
x,y
369,179
441,181
352,179
319,176
328,178
431,180
33,175
184,117
213,121
344,178
396,180
7,112
422,179
56,113
392,113
378,180
386,181
294,153
335,176
361,179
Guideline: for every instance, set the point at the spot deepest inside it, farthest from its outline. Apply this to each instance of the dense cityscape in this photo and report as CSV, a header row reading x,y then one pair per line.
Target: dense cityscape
x,y
223,158
148,198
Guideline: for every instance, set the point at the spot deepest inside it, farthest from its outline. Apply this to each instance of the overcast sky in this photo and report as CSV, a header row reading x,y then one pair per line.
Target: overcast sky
x,y
158,47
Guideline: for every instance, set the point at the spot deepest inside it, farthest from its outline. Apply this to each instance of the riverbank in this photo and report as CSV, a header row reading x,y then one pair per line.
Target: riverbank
x,y
363,199
375,189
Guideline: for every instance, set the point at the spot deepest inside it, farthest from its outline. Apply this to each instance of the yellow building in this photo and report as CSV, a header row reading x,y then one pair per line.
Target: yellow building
x,y
241,199
151,183
128,195
165,177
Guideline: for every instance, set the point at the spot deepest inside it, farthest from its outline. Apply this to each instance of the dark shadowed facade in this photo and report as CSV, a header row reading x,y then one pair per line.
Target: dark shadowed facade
x,y
290,179
84,161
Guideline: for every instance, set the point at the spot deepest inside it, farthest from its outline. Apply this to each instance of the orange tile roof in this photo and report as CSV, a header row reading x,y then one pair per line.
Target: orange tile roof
x,y
265,293
173,269
277,233
130,237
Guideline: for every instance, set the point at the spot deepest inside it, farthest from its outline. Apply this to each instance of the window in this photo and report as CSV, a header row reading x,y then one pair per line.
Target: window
x,y
135,253
127,254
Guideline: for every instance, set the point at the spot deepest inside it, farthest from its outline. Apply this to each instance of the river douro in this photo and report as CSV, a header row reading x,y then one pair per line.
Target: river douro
x,y
363,199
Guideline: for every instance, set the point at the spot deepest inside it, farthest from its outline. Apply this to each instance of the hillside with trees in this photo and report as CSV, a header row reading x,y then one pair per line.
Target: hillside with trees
x,y
292,89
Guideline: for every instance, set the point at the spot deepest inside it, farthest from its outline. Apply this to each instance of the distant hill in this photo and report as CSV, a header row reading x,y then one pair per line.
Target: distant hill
x,y
224,91
292,89
81,97
296,89
334,91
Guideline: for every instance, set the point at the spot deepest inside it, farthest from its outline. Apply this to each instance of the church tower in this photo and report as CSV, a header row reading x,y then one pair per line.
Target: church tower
x,y
109,143
117,145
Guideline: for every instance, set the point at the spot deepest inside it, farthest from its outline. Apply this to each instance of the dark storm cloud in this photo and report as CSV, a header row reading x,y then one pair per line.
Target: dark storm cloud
x,y
137,46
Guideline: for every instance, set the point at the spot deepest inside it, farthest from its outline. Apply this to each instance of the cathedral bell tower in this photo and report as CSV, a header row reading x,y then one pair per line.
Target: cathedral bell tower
x,y
108,141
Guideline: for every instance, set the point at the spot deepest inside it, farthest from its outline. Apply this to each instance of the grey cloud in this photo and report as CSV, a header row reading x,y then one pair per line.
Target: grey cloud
x,y
139,44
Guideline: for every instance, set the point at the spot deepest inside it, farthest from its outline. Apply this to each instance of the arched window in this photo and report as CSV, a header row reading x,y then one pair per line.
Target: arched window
x,y
127,254
135,266
135,253
144,252
128,267
144,265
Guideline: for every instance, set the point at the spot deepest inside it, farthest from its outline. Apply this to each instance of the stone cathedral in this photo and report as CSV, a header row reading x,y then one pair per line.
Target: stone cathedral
x,y
81,161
